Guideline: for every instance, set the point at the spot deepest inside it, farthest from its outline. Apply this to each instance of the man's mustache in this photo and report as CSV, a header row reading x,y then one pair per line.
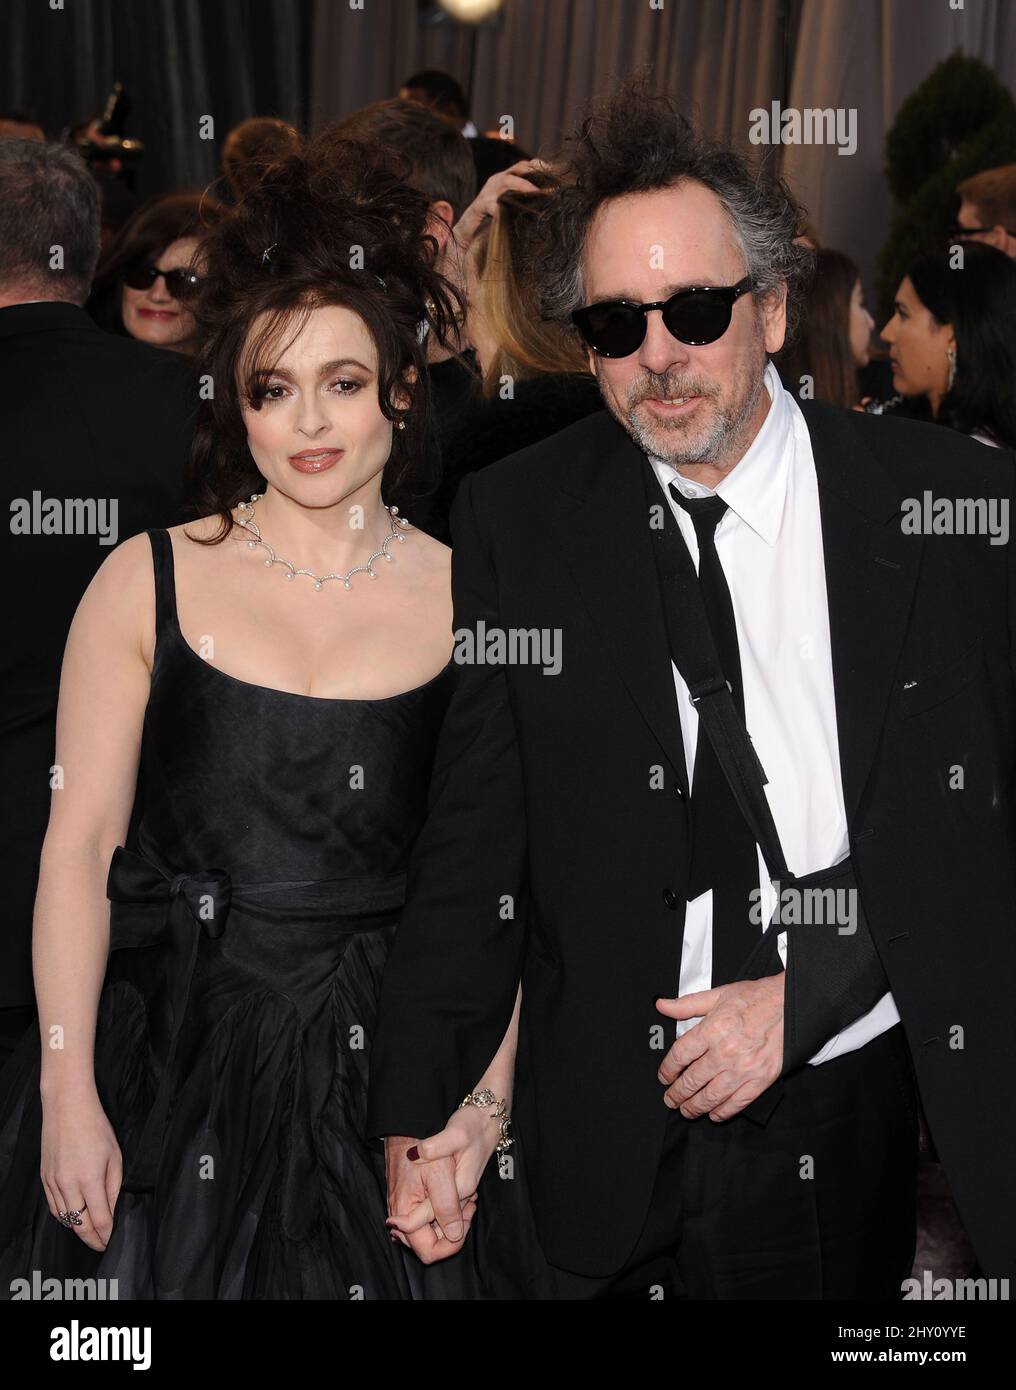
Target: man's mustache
x,y
668,391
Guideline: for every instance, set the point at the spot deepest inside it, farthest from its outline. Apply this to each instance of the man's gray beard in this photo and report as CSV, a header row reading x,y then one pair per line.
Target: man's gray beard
x,y
721,439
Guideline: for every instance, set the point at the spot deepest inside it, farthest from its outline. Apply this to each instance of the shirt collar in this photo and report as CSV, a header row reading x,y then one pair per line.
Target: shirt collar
x,y
40,315
755,489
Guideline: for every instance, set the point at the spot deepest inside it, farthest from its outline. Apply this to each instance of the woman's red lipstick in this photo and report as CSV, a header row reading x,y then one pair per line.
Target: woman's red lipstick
x,y
315,460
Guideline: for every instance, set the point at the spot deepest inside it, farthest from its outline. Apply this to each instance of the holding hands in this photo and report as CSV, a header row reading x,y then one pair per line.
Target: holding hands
x,y
432,1183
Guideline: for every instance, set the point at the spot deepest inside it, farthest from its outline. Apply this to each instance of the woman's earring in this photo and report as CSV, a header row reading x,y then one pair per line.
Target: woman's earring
x,y
401,425
951,356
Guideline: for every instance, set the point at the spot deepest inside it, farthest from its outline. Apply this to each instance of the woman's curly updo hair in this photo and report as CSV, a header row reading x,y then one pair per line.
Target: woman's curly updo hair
x,y
334,225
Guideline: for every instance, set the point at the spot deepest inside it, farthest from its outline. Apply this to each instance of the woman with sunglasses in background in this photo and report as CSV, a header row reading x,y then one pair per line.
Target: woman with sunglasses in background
x,y
145,283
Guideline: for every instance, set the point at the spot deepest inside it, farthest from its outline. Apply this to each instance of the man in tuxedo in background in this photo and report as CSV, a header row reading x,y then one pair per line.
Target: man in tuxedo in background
x,y
94,443
873,668
442,94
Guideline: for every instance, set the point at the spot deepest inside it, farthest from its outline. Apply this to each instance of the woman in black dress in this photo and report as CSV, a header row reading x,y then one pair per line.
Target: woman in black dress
x,y
248,711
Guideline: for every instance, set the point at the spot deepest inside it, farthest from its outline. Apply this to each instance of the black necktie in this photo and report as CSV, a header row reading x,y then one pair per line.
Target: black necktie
x,y
723,854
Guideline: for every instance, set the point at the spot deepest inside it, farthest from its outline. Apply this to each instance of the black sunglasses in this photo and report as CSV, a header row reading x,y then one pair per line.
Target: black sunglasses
x,y
181,283
698,315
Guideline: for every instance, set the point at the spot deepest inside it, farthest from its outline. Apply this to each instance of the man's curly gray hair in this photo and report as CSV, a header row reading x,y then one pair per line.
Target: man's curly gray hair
x,y
637,142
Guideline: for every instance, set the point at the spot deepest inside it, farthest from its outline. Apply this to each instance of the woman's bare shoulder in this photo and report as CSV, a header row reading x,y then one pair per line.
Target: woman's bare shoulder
x,y
434,555
129,569
118,606
202,528
199,545
126,569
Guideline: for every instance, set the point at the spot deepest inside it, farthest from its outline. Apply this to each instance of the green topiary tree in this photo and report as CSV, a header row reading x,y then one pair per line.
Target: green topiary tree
x,y
960,120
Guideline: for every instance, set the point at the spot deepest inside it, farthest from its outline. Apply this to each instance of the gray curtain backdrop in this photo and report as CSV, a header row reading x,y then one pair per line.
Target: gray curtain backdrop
x,y
547,57
313,61
719,58
179,61
870,55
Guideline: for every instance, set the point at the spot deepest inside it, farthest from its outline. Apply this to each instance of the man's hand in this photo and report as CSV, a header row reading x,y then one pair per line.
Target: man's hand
x,y
423,1197
466,1143
729,1058
484,205
433,1182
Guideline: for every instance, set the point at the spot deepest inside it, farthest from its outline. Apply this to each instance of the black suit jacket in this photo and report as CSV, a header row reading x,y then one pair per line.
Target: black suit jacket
x,y
92,416
542,793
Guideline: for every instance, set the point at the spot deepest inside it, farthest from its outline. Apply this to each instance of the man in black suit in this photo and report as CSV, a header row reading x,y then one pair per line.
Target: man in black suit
x,y
94,441
867,647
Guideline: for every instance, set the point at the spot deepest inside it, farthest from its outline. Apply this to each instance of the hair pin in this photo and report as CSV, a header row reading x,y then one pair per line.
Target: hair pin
x,y
266,254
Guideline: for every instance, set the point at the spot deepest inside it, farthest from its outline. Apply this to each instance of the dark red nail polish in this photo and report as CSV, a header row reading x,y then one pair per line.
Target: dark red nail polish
x,y
413,1154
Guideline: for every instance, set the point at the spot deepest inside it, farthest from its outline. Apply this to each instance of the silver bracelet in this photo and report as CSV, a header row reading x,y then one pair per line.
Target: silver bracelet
x,y
487,1097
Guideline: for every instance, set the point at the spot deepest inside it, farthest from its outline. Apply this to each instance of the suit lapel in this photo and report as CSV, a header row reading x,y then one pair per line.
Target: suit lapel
x,y
606,545
871,570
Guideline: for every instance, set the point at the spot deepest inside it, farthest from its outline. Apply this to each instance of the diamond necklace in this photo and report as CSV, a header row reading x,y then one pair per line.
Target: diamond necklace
x,y
292,571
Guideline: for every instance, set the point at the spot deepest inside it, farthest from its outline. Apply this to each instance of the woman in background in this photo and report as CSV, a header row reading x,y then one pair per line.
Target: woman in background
x,y
503,327
146,284
534,377
951,341
835,334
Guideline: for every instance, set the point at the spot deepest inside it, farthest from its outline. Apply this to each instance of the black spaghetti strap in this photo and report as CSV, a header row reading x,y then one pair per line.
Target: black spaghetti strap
x,y
166,621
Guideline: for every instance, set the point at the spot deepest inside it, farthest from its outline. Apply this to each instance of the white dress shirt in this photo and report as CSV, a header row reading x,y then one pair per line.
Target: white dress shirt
x,y
769,544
